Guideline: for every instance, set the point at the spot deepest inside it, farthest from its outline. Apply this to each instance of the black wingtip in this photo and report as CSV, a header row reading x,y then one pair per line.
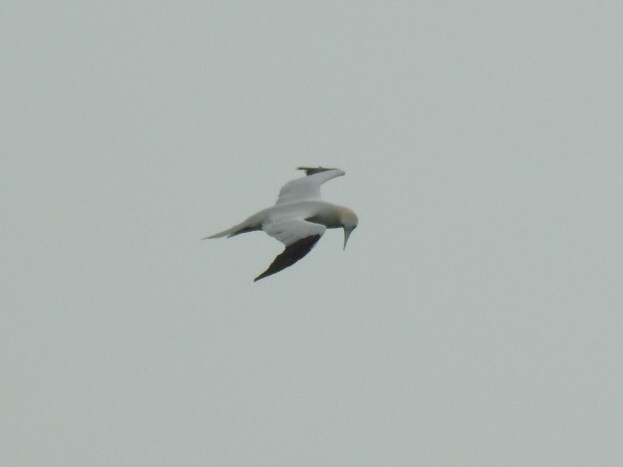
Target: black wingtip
x,y
266,273
290,255
313,170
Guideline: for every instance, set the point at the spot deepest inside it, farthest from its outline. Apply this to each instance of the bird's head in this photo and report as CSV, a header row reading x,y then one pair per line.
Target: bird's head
x,y
349,221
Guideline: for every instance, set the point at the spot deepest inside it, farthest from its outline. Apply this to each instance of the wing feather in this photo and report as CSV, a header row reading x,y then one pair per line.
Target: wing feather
x,y
307,188
290,255
313,170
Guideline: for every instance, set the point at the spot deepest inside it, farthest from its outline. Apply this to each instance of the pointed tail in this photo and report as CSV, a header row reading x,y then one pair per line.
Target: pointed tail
x,y
235,230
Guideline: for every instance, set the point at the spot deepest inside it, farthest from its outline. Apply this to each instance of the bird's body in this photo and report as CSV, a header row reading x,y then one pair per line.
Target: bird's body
x,y
298,219
317,212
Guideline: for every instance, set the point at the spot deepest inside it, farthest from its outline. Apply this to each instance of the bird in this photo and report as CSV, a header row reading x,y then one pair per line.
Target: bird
x,y
298,219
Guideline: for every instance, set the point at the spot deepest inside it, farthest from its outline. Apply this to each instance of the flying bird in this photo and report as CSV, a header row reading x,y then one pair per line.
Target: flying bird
x,y
298,219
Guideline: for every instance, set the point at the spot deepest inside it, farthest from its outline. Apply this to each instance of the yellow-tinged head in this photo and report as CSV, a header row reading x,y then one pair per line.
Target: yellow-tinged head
x,y
349,222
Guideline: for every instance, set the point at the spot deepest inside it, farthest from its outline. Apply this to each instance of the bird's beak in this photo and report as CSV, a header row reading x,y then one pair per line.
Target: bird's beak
x,y
346,235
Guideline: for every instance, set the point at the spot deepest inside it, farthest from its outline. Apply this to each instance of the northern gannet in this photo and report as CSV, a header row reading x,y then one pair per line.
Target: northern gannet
x,y
298,219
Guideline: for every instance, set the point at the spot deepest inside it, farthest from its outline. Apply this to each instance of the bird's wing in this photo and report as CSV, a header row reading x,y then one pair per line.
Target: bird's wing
x,y
307,188
313,170
298,235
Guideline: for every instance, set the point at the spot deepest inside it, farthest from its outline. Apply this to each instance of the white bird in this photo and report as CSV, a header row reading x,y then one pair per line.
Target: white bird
x,y
298,219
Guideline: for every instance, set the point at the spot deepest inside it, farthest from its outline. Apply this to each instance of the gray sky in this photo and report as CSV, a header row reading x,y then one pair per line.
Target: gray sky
x,y
475,317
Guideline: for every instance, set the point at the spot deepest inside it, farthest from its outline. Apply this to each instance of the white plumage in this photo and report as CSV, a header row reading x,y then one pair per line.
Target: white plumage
x,y
298,219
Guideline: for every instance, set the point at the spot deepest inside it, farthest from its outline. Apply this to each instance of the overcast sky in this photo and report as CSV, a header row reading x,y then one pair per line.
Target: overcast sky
x,y
475,317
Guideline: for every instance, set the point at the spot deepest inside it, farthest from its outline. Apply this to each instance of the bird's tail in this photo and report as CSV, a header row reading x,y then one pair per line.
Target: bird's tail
x,y
235,230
